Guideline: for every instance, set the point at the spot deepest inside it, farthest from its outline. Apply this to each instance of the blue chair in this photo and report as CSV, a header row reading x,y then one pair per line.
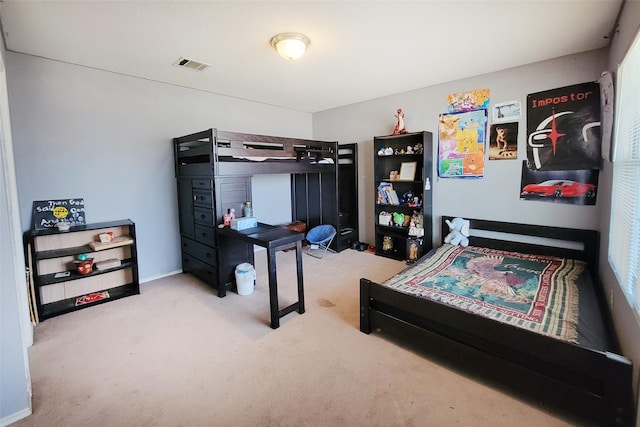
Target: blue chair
x,y
319,238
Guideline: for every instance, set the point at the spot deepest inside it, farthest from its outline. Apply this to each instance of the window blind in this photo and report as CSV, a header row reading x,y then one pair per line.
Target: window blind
x,y
624,235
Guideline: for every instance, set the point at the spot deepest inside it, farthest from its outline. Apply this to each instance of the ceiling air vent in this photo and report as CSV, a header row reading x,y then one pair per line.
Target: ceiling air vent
x,y
190,64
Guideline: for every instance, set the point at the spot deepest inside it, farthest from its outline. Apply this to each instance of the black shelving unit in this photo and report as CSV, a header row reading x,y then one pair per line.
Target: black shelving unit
x,y
51,252
403,166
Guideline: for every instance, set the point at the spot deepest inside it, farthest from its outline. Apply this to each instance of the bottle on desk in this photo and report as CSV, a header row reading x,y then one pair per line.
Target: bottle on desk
x,y
247,209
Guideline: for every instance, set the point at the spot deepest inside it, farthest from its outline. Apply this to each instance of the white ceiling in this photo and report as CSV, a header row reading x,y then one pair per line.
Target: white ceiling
x,y
359,50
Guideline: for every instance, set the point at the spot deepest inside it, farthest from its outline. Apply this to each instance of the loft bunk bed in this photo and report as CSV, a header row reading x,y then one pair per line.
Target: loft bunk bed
x,y
221,153
214,171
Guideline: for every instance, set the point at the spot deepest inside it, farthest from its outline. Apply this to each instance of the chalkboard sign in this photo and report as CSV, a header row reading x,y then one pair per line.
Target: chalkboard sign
x,y
48,213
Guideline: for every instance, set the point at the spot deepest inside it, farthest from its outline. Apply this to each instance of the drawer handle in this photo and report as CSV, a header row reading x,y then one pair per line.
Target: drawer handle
x,y
203,216
204,234
208,255
185,260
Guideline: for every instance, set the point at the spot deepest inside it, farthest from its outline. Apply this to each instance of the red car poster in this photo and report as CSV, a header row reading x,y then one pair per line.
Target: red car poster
x,y
577,187
563,128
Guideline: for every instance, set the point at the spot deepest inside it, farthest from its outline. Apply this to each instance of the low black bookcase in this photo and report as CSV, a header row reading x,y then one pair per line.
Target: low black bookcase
x,y
56,287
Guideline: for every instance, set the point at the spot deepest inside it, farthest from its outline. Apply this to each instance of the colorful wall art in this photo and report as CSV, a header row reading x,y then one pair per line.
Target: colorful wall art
x,y
461,144
468,101
563,128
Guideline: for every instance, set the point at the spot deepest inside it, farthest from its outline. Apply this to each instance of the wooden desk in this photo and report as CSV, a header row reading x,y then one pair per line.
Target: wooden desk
x,y
274,239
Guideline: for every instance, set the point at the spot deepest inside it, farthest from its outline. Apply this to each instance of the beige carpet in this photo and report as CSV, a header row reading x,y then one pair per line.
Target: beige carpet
x,y
177,355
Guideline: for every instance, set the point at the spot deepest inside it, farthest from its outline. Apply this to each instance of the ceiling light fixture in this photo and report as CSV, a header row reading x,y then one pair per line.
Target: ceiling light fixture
x,y
290,45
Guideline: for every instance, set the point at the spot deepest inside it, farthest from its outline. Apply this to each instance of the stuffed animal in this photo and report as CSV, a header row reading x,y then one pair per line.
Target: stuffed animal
x,y
459,232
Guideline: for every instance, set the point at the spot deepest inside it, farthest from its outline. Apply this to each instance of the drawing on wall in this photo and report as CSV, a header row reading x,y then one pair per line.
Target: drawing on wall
x,y
563,128
467,101
503,141
461,144
506,111
576,187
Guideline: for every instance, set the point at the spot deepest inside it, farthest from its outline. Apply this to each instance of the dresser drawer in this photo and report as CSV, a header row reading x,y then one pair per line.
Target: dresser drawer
x,y
203,198
204,253
204,184
201,270
205,235
204,217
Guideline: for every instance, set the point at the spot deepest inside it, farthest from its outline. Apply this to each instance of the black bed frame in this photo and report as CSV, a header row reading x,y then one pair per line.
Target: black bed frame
x,y
591,384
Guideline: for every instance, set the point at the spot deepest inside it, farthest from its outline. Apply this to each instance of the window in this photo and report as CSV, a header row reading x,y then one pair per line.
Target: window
x,y
624,237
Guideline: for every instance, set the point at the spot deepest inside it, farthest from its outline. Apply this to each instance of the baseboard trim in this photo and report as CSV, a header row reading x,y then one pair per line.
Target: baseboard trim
x,y
160,276
17,416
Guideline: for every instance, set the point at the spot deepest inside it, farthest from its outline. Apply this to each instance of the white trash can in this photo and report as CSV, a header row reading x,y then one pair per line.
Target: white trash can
x,y
245,278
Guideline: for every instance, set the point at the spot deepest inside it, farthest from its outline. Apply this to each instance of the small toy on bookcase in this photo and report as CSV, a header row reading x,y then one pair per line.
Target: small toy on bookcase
x,y
400,126
84,264
387,243
398,219
414,249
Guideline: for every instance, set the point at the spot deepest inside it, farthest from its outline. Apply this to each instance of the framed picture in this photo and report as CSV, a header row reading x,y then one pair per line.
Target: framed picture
x,y
408,171
507,111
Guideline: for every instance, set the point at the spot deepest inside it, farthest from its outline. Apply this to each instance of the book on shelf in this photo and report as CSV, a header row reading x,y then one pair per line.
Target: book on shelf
x,y
387,195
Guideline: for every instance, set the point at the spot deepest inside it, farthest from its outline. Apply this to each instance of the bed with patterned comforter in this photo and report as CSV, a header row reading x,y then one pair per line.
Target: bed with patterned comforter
x,y
518,312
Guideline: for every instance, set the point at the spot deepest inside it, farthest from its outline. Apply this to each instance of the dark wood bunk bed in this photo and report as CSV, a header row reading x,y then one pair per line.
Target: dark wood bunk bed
x,y
214,169
588,378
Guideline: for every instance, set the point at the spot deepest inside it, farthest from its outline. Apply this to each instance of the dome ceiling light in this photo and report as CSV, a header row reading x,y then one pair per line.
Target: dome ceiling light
x,y
290,45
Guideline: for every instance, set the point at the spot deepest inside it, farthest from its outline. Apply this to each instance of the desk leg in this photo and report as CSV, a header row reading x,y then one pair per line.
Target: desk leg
x,y
300,274
273,289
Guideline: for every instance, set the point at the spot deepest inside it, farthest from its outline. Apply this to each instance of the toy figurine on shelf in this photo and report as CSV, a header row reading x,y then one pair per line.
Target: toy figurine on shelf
x,y
413,250
400,126
387,243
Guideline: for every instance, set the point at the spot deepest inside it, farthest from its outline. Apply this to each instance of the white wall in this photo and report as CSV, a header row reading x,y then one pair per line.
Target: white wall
x,y
15,327
106,137
496,196
626,321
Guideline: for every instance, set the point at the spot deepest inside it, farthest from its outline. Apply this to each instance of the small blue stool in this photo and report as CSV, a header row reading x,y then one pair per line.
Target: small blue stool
x,y
319,238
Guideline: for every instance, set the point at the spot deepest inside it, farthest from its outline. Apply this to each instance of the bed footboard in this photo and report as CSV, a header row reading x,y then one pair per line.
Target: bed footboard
x,y
365,323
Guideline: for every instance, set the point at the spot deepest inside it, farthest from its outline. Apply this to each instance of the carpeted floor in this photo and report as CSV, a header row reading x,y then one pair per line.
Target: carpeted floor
x,y
177,355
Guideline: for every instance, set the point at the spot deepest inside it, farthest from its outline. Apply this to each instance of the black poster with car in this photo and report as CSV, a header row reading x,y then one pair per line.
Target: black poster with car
x,y
563,128
576,187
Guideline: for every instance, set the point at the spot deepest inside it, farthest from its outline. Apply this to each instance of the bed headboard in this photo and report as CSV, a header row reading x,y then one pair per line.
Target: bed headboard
x,y
534,239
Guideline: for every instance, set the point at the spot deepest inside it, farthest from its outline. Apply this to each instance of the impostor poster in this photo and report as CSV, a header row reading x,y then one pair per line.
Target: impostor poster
x,y
563,128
